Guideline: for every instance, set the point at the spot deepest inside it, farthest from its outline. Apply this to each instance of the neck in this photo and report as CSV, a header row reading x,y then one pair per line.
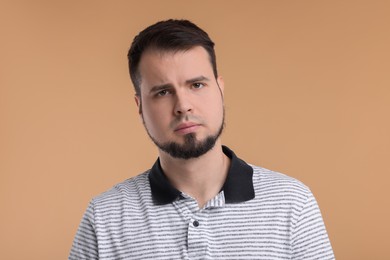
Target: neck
x,y
201,178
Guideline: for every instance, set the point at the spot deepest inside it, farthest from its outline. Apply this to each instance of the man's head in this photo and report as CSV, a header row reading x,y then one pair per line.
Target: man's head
x,y
169,35
178,92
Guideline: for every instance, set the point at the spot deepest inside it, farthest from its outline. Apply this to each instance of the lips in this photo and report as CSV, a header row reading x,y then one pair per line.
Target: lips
x,y
185,128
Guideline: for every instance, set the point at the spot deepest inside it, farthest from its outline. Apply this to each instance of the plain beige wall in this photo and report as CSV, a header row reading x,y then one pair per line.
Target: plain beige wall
x,y
307,94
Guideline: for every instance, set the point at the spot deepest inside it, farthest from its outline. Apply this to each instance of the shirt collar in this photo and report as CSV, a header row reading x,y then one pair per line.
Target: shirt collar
x,y
238,186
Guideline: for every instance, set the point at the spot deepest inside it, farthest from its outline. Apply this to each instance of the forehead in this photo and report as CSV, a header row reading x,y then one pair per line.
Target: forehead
x,y
161,66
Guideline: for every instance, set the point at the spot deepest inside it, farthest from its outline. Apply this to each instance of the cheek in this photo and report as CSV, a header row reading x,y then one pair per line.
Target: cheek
x,y
150,118
213,112
217,105
154,118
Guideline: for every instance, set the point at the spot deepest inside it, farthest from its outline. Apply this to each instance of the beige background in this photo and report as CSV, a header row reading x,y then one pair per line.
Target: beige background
x,y
307,94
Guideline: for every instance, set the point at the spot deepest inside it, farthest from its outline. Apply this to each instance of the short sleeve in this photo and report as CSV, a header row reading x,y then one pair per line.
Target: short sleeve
x,y
85,244
309,237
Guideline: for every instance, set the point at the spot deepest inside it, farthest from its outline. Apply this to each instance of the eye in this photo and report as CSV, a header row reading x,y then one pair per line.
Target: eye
x,y
198,85
162,93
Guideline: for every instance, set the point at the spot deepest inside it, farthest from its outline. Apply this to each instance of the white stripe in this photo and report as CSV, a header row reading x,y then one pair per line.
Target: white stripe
x,y
283,221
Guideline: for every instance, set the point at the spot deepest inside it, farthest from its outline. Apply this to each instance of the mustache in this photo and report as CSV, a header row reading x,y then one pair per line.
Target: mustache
x,y
185,118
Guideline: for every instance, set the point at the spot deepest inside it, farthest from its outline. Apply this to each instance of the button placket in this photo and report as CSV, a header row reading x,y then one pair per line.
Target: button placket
x,y
197,242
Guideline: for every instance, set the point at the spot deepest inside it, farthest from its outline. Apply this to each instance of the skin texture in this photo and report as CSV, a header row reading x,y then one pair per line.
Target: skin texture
x,y
181,97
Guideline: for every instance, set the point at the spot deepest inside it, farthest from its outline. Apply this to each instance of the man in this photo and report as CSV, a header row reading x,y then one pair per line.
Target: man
x,y
199,200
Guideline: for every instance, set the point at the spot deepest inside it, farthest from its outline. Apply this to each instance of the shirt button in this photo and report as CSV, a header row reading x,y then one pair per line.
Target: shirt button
x,y
195,223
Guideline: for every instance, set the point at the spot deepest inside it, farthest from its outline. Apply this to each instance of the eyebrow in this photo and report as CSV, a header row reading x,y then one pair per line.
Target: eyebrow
x,y
160,87
200,78
157,88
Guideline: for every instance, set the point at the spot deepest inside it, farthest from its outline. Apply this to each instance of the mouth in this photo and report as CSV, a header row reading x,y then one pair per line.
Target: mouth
x,y
186,128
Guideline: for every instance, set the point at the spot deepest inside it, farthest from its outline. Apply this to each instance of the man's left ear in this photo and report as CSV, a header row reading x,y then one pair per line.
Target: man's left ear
x,y
221,85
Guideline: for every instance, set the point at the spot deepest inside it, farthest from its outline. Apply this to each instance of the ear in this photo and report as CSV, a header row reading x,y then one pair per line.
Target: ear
x,y
221,85
137,100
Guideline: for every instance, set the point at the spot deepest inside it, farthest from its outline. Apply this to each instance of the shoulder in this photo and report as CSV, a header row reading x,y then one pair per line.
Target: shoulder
x,y
134,190
272,184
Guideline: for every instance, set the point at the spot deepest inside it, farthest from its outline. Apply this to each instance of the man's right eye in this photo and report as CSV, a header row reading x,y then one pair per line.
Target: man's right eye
x,y
162,93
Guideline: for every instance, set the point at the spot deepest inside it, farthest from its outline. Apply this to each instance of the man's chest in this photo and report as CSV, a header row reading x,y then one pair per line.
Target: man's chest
x,y
181,231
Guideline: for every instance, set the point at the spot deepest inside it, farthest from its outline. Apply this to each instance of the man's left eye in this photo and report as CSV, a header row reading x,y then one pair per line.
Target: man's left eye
x,y
198,85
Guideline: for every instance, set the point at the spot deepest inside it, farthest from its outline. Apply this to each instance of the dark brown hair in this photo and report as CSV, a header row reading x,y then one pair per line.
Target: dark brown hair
x,y
169,35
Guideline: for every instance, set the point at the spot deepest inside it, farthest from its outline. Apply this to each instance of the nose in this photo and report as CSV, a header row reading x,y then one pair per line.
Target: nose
x,y
183,104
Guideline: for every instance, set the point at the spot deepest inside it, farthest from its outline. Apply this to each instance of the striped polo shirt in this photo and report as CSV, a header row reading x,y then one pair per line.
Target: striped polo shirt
x,y
259,214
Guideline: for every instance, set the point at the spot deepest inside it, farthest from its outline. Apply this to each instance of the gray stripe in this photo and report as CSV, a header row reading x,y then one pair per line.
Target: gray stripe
x,y
283,221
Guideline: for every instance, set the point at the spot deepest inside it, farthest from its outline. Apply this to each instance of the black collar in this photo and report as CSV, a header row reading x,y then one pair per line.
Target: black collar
x,y
238,185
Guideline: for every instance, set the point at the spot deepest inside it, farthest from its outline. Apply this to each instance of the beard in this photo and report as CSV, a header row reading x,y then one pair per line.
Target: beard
x,y
191,147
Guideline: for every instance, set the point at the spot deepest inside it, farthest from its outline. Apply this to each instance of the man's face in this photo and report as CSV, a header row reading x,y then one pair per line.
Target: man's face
x,y
181,102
